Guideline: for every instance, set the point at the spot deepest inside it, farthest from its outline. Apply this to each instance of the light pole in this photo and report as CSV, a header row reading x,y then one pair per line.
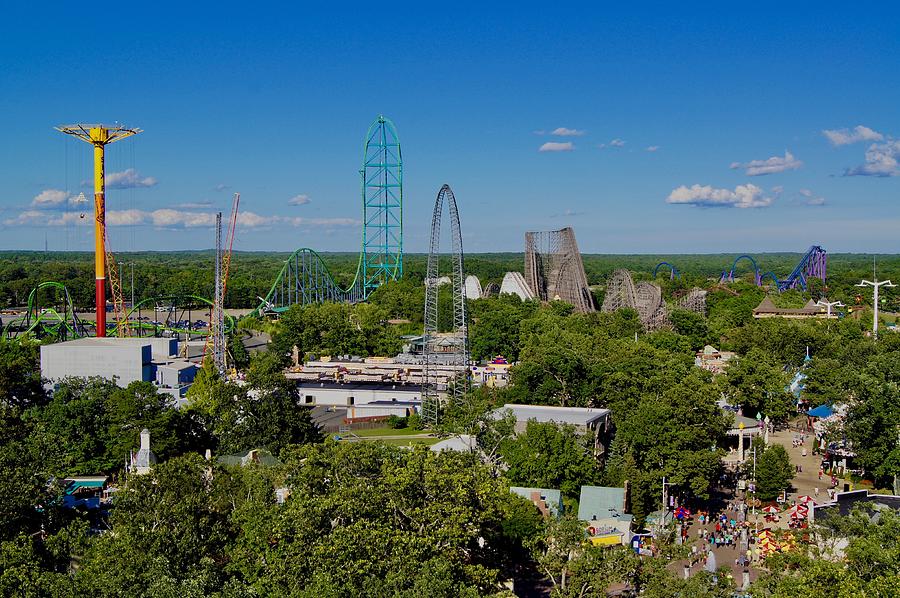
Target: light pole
x,y
753,488
875,285
662,514
829,305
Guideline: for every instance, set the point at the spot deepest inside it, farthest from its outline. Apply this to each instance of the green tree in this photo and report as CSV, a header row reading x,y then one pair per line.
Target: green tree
x,y
20,374
871,425
774,471
548,455
758,385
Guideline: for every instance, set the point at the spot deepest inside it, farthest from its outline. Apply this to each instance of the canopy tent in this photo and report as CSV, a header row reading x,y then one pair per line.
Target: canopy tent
x,y
821,411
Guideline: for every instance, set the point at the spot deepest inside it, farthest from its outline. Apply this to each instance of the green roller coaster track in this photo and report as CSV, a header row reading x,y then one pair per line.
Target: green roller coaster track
x,y
47,322
62,323
304,278
174,304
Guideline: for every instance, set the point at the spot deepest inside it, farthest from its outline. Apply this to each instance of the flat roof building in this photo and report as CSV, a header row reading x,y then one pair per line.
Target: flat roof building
x,y
110,358
585,419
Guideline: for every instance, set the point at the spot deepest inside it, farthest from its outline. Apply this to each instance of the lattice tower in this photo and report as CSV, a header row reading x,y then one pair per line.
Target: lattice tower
x,y
449,348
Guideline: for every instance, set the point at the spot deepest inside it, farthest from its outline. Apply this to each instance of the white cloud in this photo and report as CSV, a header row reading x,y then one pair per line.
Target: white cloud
x,y
124,217
881,160
299,200
194,205
49,197
221,187
564,132
743,196
811,199
320,221
26,218
169,218
174,218
569,212
652,148
554,146
128,179
772,165
614,143
847,136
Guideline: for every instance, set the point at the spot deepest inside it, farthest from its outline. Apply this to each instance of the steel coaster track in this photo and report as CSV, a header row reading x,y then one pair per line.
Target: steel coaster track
x,y
47,322
175,304
305,279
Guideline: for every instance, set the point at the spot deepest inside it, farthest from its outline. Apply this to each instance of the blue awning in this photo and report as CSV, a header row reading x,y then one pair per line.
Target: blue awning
x,y
821,411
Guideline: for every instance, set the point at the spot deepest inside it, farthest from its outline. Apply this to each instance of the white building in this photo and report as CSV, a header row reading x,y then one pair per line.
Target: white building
x,y
122,360
349,394
144,460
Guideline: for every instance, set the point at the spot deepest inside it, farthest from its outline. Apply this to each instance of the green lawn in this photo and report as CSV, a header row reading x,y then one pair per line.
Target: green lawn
x,y
388,432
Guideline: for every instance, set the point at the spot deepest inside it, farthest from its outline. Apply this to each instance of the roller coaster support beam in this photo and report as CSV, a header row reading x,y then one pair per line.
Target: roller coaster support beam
x,y
99,136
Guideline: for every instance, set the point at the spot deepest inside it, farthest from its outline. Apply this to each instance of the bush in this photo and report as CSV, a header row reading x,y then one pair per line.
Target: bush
x,y
415,422
396,422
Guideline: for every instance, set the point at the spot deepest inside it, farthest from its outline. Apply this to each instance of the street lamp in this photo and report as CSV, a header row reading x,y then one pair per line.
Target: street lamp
x,y
829,305
875,285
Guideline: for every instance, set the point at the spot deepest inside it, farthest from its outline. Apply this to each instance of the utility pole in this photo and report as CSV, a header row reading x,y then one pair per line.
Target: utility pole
x,y
829,305
99,136
875,284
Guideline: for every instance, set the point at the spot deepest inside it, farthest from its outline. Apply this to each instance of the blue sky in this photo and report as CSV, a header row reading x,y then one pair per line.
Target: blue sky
x,y
762,128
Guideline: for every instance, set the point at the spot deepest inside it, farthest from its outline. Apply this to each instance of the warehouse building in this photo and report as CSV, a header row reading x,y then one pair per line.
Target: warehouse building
x,y
122,360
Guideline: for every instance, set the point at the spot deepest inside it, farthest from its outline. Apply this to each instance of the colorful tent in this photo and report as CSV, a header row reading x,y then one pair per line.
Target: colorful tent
x,y
771,510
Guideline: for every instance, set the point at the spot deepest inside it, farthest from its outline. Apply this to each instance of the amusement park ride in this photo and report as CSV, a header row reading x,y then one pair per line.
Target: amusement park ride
x,y
813,264
303,279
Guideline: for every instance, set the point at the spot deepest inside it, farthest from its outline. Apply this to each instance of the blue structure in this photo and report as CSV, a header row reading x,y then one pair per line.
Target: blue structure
x,y
382,189
813,264
305,278
673,271
728,276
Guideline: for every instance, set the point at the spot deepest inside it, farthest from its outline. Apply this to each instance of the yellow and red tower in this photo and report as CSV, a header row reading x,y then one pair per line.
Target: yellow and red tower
x,y
99,136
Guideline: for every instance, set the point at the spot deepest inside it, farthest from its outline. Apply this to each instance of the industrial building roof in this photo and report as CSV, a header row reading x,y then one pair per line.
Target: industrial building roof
x,y
386,403
93,341
579,416
846,502
349,386
177,364
601,502
462,443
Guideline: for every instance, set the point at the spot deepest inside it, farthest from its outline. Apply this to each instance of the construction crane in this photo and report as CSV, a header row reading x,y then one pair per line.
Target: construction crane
x,y
215,342
100,136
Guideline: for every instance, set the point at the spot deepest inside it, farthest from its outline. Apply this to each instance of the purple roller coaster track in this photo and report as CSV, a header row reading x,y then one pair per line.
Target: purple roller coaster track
x,y
813,264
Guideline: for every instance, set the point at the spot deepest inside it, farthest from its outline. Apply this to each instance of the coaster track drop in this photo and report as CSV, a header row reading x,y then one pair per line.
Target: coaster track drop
x,y
305,278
